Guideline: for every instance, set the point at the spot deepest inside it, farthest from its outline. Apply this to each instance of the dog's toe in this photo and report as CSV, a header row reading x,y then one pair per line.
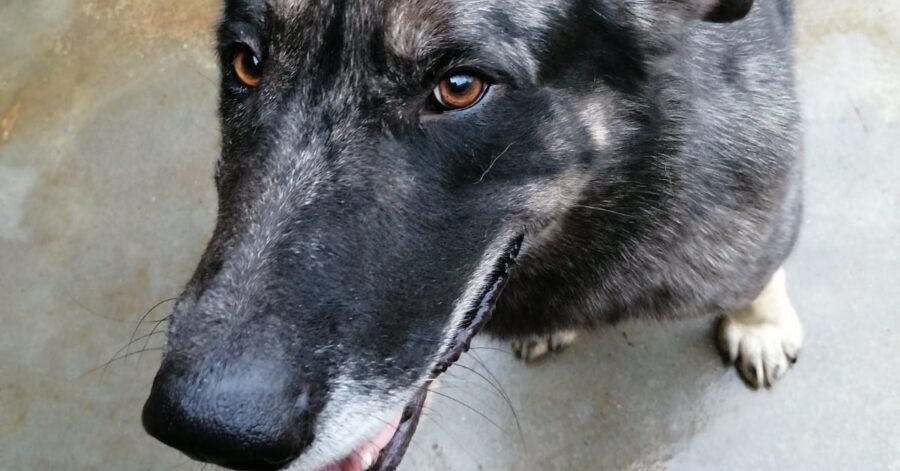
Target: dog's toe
x,y
763,352
536,346
764,338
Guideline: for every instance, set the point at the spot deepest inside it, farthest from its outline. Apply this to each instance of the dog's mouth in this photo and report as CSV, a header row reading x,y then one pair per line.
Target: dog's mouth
x,y
385,451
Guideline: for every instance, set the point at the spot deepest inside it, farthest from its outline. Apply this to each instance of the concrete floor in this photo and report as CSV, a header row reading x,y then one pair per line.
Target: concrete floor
x,y
107,143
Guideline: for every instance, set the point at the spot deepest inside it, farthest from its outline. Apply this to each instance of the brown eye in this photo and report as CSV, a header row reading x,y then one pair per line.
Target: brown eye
x,y
247,66
459,91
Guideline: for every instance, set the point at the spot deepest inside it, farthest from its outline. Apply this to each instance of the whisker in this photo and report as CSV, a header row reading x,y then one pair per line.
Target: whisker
x,y
499,388
492,389
494,349
144,317
494,161
457,443
503,390
474,347
481,414
119,358
136,340
197,71
153,331
88,310
604,210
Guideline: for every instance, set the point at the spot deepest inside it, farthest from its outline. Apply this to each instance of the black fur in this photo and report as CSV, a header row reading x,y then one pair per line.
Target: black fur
x,y
651,161
726,12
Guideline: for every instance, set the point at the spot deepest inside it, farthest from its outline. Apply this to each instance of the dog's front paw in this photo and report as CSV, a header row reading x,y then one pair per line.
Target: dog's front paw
x,y
536,346
765,338
763,352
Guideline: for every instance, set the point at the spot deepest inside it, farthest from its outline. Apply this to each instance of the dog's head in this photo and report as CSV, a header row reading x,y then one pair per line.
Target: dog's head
x,y
381,160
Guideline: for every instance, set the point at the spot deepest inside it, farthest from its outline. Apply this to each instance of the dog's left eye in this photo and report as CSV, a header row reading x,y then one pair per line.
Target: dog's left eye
x,y
459,91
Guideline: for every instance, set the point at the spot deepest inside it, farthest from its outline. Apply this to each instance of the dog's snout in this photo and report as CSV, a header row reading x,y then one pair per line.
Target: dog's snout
x,y
243,418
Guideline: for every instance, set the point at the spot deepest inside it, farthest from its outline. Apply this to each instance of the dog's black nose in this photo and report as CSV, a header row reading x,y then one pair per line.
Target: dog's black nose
x,y
242,418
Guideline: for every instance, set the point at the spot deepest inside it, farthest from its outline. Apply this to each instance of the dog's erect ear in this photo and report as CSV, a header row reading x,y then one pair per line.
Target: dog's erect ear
x,y
718,11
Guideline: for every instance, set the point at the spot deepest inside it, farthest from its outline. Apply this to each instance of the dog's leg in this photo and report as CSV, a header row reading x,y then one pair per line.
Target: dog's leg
x,y
534,347
765,337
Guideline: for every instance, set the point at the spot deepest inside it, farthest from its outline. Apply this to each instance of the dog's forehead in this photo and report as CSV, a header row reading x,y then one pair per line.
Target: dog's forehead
x,y
413,29
412,23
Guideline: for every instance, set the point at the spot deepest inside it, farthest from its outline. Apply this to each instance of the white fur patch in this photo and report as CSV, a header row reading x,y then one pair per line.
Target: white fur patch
x,y
288,5
765,337
350,418
594,114
536,346
414,27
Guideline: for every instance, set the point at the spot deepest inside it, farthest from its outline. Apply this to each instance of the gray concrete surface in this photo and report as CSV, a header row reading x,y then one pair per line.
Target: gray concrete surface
x,y
107,143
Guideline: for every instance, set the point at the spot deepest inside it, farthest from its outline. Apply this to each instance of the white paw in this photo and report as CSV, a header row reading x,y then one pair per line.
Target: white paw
x,y
536,346
762,348
764,338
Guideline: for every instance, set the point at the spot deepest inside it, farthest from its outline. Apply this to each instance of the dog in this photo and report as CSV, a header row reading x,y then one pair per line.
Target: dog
x,y
390,167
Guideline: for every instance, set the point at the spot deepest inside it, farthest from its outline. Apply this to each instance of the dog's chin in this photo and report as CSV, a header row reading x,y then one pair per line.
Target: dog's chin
x,y
384,450
365,456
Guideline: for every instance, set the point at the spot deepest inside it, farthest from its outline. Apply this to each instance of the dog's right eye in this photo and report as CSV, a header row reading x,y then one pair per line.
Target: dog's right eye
x,y
459,91
247,66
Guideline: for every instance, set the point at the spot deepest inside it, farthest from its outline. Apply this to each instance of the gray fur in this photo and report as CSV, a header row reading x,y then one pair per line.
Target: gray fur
x,y
650,159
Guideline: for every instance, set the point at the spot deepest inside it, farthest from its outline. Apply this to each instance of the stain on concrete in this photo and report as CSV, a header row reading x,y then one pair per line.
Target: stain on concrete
x,y
9,121
14,187
105,204
104,36
12,418
868,40
878,22
107,141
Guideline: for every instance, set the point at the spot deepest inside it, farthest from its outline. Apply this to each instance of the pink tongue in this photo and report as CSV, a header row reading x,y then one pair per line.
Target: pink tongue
x,y
371,448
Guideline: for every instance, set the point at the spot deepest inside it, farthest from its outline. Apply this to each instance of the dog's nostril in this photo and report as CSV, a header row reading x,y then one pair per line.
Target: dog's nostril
x,y
255,421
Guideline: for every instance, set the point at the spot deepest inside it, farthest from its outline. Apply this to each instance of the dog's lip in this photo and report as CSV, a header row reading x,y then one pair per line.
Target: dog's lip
x,y
390,455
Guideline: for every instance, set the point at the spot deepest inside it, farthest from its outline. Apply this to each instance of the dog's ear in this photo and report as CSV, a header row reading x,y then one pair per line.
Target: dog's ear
x,y
718,11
